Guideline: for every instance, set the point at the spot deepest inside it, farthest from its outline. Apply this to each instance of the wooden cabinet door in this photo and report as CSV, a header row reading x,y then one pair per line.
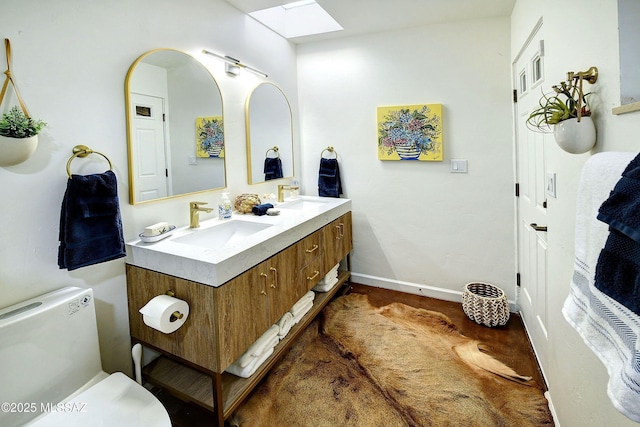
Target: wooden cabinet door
x,y
196,340
337,241
345,242
243,313
282,289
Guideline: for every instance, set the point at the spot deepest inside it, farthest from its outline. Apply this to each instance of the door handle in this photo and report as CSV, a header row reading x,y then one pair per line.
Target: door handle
x,y
538,227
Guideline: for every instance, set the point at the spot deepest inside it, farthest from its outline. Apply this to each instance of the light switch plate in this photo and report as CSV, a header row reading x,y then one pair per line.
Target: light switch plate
x,y
550,184
458,166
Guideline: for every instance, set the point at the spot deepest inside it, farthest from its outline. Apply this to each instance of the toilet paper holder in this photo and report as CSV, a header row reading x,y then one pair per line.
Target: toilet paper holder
x,y
176,315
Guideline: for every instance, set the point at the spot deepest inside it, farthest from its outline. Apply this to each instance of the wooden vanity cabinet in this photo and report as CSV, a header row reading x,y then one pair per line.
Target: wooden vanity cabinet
x,y
225,321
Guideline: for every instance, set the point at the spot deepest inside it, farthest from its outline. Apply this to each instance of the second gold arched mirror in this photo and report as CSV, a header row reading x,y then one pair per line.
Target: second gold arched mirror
x,y
174,127
269,134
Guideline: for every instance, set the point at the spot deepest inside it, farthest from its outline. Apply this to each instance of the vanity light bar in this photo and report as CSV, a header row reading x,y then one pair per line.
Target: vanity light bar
x,y
232,63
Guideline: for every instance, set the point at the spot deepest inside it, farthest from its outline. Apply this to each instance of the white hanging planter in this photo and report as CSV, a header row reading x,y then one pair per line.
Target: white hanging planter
x,y
14,151
575,137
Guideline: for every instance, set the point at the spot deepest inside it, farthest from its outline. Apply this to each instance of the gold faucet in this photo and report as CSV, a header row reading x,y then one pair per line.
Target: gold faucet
x,y
195,209
282,189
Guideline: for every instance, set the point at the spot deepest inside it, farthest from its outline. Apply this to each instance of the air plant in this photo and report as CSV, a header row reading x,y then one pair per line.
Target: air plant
x,y
567,101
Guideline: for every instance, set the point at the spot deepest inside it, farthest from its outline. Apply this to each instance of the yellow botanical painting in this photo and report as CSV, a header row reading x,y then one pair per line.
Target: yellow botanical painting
x,y
410,132
209,137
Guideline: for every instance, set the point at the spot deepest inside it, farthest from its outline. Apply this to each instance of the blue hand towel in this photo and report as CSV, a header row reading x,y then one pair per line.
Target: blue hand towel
x,y
618,270
90,222
272,168
329,184
261,209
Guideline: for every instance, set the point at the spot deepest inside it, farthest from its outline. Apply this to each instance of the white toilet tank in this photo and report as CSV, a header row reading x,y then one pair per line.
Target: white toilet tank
x,y
49,353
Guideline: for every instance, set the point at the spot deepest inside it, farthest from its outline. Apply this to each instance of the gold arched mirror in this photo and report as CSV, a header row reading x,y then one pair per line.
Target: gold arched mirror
x,y
269,134
174,127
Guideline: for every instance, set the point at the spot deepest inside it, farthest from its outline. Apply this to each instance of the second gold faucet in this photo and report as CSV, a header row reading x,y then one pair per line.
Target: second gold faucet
x,y
283,188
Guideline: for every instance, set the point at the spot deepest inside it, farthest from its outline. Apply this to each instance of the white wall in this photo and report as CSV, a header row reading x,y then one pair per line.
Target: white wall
x,y
576,378
416,224
70,59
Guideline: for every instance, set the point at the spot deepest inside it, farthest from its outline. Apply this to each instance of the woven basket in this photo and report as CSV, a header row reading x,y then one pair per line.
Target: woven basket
x,y
485,304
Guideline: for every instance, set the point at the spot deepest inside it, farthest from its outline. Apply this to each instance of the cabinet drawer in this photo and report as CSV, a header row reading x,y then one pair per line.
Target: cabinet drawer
x,y
309,248
310,275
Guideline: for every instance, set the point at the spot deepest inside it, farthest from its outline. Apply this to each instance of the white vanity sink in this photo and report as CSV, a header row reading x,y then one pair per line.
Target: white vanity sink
x,y
224,234
303,204
220,250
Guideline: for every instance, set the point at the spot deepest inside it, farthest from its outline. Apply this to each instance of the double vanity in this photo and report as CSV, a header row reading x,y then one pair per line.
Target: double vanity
x,y
239,277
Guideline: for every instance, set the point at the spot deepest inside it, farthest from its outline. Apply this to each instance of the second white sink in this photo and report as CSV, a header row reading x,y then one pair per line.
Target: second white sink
x,y
302,204
220,235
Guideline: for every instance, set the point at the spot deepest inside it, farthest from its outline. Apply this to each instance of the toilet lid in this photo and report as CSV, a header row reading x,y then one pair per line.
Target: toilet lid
x,y
115,401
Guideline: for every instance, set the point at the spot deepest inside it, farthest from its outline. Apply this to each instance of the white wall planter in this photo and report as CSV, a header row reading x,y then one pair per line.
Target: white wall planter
x,y
575,137
14,151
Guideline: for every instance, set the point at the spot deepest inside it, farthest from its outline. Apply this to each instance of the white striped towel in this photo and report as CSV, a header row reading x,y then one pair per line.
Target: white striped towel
x,y
607,327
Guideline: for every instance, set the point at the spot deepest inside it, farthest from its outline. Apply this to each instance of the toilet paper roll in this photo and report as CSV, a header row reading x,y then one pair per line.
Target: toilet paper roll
x,y
165,314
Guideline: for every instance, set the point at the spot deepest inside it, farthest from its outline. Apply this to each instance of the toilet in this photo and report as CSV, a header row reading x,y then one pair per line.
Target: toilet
x,y
51,373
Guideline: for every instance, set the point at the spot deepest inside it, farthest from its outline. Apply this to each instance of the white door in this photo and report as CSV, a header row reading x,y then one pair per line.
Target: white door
x,y
151,180
532,201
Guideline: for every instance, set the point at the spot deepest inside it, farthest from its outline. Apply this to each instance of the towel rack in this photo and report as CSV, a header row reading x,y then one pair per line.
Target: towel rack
x,y
274,149
84,151
330,149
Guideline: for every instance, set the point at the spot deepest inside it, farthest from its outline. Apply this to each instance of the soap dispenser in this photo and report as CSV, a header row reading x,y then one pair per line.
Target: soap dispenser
x,y
224,207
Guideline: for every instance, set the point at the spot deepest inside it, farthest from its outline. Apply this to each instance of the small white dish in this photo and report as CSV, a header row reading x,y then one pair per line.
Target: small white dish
x,y
273,211
152,239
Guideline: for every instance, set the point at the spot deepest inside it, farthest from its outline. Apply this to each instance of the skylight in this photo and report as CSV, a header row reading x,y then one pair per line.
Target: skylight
x,y
301,18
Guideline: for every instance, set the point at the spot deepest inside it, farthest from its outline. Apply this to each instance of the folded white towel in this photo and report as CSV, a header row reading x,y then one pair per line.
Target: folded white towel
x,y
250,369
309,296
284,324
325,286
259,347
328,280
302,311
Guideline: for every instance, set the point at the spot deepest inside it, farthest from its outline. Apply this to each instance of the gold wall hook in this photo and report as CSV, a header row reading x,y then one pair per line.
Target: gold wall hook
x,y
590,76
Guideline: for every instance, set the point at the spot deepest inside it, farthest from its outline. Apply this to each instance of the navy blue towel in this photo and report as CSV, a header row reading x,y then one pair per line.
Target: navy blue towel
x,y
90,222
261,209
618,267
622,209
618,270
329,184
272,168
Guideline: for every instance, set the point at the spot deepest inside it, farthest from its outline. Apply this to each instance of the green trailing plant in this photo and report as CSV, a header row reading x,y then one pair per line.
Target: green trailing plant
x,y
16,124
567,101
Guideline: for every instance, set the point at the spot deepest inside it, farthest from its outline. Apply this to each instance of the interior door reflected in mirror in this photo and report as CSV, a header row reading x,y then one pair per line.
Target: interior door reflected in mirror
x,y
269,134
175,127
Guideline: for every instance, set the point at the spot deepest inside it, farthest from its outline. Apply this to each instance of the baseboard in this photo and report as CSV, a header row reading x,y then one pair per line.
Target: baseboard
x,y
552,409
414,288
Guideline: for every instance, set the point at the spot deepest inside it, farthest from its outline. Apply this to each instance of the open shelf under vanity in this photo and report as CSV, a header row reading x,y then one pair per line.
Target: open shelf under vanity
x,y
195,386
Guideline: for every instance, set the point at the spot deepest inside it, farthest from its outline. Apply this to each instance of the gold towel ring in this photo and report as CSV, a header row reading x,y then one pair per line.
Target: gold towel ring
x,y
275,149
84,151
330,149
